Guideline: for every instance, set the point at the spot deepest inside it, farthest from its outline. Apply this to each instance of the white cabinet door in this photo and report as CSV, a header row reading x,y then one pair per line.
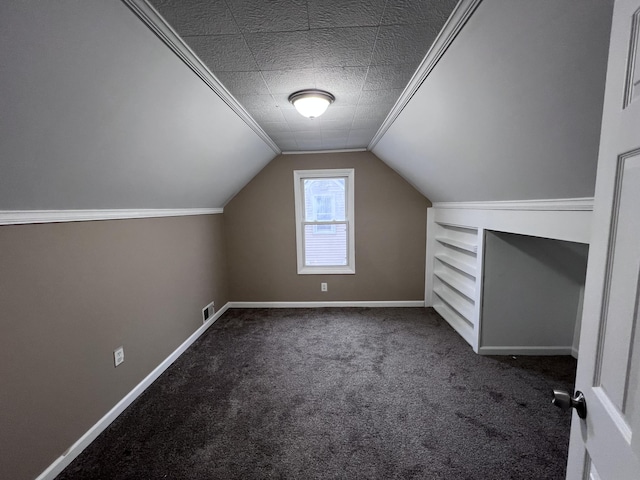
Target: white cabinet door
x,y
606,445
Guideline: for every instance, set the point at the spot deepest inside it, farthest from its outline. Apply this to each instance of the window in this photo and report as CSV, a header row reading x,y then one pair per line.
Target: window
x,y
324,221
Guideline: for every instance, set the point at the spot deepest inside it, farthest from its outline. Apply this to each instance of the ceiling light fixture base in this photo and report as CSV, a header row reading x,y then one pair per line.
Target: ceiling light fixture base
x,y
311,103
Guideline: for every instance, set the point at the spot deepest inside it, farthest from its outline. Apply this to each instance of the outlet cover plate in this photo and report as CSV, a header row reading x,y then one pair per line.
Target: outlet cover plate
x,y
118,356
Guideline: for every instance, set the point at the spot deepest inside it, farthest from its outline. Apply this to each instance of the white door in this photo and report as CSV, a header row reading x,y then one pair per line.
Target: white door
x,y
606,445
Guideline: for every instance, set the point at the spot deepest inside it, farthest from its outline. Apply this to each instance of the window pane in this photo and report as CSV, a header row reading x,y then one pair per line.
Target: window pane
x,y
325,248
324,199
324,207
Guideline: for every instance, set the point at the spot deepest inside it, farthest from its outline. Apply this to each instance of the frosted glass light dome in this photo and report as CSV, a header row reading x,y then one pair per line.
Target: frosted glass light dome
x,y
311,103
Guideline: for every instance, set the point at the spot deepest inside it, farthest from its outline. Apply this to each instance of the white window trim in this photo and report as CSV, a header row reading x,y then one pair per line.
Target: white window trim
x,y
298,177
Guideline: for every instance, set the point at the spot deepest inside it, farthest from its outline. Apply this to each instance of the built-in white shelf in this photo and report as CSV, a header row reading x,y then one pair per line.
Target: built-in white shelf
x,y
469,247
466,288
452,276
464,308
457,264
456,233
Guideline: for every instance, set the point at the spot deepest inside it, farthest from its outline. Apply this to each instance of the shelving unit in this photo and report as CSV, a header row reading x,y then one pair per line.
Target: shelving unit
x,y
456,285
454,278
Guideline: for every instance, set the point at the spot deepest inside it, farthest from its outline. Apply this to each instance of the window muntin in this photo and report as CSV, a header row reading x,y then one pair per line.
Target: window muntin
x,y
324,221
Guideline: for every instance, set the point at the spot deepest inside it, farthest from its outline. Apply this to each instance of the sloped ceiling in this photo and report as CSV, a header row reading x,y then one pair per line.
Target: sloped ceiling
x,y
362,51
512,110
97,113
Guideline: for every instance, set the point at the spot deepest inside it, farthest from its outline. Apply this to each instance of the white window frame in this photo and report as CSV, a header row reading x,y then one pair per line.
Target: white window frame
x,y
298,178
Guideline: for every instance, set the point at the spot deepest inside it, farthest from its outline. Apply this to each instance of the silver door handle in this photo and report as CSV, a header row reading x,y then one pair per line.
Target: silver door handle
x,y
565,401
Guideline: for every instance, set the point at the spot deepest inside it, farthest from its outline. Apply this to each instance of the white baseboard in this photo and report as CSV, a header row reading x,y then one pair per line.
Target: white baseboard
x,y
525,350
574,352
391,303
76,449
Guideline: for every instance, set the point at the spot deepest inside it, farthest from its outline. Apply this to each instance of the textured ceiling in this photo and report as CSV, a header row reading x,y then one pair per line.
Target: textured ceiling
x,y
362,51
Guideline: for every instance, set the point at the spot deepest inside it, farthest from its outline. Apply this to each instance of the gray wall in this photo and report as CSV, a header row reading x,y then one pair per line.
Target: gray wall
x,y
512,111
389,235
73,292
98,113
532,291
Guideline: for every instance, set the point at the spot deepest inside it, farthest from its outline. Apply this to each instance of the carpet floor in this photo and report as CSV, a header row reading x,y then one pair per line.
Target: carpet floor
x,y
339,393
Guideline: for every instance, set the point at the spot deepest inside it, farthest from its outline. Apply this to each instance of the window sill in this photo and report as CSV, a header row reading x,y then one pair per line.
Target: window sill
x,y
346,270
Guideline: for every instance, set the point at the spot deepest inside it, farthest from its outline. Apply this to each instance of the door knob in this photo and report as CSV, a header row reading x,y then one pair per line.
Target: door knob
x,y
565,401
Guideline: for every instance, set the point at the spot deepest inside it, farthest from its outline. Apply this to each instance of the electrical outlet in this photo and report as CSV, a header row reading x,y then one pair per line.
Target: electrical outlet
x,y
118,356
323,287
207,312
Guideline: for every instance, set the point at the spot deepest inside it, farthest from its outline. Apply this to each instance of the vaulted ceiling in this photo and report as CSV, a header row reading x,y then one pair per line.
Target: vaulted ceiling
x,y
100,111
362,51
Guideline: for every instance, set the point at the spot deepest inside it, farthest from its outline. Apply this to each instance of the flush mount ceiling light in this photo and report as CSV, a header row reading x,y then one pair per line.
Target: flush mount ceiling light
x,y
311,103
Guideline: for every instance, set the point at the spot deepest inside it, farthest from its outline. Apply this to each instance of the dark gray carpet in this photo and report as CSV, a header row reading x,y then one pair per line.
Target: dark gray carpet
x,y
342,393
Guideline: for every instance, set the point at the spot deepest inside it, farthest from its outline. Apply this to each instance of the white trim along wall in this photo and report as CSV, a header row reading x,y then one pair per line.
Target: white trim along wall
x,y
21,217
365,304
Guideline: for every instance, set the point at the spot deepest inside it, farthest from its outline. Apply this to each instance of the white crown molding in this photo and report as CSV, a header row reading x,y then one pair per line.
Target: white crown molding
x,y
170,37
449,32
344,150
371,304
21,217
559,204
83,442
